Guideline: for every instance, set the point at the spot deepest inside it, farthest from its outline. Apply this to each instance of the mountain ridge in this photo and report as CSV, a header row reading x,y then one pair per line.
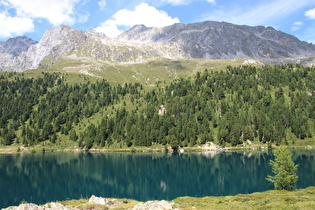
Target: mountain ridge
x,y
203,40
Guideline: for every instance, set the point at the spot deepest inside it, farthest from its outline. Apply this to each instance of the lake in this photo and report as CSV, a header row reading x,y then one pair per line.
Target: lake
x,y
43,177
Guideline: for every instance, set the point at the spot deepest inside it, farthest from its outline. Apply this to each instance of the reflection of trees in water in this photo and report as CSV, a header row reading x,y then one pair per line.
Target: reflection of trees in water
x,y
306,172
58,176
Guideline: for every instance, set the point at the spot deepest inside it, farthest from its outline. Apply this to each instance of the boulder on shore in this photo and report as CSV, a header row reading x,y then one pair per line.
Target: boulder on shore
x,y
154,205
31,206
107,202
100,200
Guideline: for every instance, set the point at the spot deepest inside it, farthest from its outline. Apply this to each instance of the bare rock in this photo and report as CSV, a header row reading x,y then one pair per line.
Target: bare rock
x,y
162,110
54,206
100,200
154,205
28,206
210,146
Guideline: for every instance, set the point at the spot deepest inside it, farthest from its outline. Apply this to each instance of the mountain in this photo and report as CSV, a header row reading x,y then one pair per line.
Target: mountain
x,y
206,40
220,40
12,49
15,46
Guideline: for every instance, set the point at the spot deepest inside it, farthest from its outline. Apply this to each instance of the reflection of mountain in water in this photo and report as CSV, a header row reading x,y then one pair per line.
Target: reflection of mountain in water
x,y
47,177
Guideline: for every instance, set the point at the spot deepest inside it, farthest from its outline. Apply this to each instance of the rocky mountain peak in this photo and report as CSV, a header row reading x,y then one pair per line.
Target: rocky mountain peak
x,y
132,33
15,46
92,33
138,28
55,43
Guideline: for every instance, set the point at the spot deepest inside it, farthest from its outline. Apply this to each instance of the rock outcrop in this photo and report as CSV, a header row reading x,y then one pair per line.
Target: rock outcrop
x,y
100,200
31,206
153,205
95,203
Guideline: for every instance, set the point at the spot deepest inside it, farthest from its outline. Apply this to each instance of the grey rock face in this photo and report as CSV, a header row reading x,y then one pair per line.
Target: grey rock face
x,y
15,46
208,40
54,44
220,40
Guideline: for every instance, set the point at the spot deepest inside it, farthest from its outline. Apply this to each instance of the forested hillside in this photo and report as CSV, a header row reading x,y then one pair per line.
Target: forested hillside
x,y
270,104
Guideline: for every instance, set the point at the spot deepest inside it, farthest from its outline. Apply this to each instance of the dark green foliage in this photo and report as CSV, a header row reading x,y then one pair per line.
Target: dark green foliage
x,y
229,107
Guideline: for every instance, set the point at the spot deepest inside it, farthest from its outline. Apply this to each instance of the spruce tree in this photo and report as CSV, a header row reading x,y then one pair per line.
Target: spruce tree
x,y
284,169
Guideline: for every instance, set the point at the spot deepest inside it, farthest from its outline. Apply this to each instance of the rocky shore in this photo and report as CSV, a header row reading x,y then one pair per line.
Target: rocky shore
x,y
97,203
272,199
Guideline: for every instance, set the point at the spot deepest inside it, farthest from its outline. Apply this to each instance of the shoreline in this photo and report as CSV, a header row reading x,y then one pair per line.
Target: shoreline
x,y
272,199
20,149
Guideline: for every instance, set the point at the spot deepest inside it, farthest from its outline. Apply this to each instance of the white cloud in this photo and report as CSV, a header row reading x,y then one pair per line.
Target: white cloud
x,y
84,17
296,26
310,13
260,14
109,28
14,26
182,2
268,13
55,11
143,14
4,3
177,2
102,4
298,23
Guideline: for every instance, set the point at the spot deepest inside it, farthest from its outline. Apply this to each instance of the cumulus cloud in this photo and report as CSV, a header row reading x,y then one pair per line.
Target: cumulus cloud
x,y
55,11
109,28
14,26
310,13
102,4
142,14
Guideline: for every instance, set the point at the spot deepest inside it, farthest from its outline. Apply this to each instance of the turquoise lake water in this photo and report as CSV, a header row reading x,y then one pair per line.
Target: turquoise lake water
x,y
44,177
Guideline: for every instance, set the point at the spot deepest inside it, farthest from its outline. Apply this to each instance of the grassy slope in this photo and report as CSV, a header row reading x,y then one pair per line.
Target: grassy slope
x,y
147,73
273,199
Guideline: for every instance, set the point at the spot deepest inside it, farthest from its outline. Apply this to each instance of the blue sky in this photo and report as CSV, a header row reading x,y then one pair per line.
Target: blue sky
x,y
32,17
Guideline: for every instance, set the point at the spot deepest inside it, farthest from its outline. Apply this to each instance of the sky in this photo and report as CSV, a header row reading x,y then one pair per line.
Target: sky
x,y
32,17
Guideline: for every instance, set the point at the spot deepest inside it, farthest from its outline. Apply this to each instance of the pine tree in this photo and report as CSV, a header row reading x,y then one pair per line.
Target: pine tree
x,y
284,169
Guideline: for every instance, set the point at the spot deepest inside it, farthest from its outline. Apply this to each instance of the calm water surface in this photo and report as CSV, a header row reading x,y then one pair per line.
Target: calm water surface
x,y
45,177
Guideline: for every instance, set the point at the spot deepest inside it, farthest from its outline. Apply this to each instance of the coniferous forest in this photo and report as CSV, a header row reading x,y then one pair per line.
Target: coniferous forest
x,y
268,104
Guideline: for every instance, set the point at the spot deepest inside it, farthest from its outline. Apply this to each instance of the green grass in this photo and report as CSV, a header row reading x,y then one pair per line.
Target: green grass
x,y
70,77
273,199
116,204
148,73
